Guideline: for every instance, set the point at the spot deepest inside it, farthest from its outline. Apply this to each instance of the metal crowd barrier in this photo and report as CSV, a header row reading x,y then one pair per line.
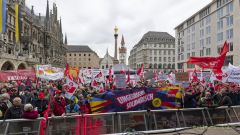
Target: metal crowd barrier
x,y
122,122
20,127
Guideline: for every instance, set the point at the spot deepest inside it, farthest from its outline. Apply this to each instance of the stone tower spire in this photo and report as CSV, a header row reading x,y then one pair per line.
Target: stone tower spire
x,y
47,16
66,42
122,41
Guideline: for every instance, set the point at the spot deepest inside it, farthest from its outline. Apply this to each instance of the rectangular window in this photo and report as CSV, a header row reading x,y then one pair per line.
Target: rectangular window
x,y
193,45
208,51
220,25
230,8
201,33
160,59
173,59
193,54
155,52
165,52
165,59
188,55
193,28
231,46
220,37
208,41
220,13
202,43
208,20
169,52
208,30
230,34
201,23
201,53
229,21
160,52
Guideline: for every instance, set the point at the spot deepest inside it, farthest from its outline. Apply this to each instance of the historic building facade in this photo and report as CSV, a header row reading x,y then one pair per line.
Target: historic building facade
x,y
82,57
156,50
204,33
41,39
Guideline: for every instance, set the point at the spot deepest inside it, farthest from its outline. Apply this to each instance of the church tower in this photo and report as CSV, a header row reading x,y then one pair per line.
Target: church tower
x,y
122,52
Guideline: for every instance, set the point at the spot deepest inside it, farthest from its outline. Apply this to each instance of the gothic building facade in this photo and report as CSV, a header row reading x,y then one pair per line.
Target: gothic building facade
x,y
41,39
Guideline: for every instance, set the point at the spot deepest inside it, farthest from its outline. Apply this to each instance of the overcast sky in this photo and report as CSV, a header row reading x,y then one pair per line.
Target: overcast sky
x,y
91,22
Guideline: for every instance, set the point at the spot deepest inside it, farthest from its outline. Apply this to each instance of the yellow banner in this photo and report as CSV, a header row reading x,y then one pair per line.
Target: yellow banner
x,y
1,17
16,22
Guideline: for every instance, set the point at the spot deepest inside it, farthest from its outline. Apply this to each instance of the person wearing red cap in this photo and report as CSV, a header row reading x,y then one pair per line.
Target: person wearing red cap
x,y
41,103
59,104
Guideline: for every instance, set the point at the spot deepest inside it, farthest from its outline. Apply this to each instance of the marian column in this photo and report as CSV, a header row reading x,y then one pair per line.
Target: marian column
x,y
116,46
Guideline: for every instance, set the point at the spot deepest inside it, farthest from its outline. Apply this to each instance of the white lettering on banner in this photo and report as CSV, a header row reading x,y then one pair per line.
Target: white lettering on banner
x,y
139,101
129,97
12,78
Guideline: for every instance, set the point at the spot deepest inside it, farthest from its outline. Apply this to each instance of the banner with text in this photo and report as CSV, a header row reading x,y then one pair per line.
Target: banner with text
x,y
136,99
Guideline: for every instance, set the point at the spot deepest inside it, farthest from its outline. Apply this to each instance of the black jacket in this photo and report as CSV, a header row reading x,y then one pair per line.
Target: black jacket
x,y
14,113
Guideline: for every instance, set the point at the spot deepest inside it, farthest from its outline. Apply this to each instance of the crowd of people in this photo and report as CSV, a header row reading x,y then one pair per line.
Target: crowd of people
x,y
31,100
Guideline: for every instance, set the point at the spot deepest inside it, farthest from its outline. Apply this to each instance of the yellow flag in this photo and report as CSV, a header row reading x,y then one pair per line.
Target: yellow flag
x,y
16,22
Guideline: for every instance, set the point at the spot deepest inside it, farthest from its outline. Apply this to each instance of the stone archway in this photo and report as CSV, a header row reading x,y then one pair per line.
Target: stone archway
x,y
22,66
7,66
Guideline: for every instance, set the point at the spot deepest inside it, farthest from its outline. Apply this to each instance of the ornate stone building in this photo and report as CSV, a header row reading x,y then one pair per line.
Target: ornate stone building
x,y
41,39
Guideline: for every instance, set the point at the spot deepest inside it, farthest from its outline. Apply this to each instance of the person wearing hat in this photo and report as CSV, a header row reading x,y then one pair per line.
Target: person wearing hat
x,y
41,104
59,104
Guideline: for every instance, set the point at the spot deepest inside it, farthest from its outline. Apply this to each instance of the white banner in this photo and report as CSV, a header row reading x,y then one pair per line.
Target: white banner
x,y
49,73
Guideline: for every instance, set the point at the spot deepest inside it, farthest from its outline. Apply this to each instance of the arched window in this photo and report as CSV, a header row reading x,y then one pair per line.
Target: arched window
x,y
150,66
164,66
169,66
159,66
155,66
173,66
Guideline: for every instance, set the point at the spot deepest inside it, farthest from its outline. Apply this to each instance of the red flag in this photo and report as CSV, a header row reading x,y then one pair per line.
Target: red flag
x,y
99,75
110,75
43,123
194,76
214,63
128,78
66,72
94,84
140,71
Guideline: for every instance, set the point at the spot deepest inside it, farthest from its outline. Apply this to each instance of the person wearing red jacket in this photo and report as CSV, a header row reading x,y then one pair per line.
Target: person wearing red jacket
x,y
29,113
59,104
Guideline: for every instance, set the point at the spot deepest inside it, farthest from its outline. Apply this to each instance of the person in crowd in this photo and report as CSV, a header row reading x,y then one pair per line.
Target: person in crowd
x,y
26,97
6,99
14,93
72,107
59,104
16,111
226,100
84,105
41,104
3,106
29,112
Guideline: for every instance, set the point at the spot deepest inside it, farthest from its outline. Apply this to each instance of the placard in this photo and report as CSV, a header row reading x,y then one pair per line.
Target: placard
x,y
182,77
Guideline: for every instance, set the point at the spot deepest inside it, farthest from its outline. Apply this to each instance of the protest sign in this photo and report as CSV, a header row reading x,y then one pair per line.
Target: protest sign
x,y
182,77
120,81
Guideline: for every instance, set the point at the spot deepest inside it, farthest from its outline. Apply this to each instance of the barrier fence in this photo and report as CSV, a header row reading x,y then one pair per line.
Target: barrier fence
x,y
120,122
